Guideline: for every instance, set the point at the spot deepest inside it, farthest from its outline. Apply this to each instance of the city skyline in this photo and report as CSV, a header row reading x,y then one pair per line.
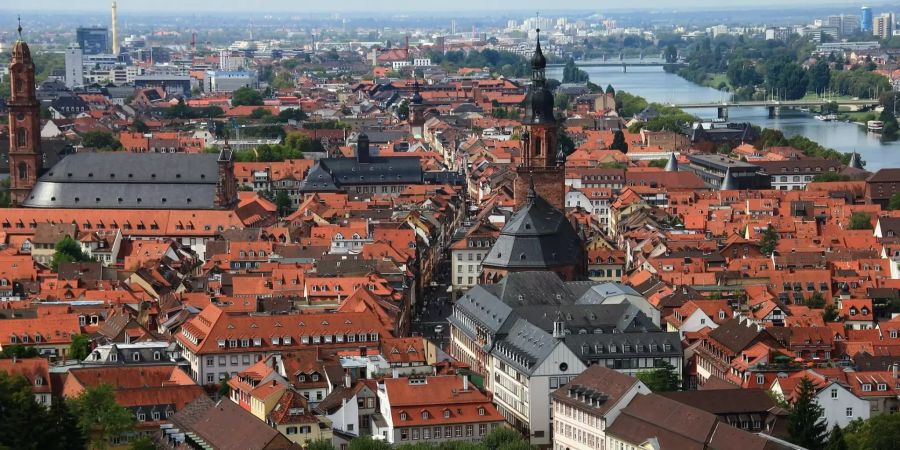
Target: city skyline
x,y
350,6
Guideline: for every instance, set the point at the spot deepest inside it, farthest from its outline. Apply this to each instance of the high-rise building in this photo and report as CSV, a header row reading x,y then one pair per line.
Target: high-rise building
x,y
24,124
93,40
849,25
883,26
865,22
74,66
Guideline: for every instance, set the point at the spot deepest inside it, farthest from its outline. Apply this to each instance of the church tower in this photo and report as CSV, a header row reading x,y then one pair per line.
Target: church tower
x,y
24,124
541,163
416,113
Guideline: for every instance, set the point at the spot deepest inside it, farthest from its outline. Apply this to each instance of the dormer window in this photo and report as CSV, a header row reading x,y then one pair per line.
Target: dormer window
x,y
136,356
404,416
301,378
760,378
481,411
446,413
38,381
882,387
867,387
156,356
425,415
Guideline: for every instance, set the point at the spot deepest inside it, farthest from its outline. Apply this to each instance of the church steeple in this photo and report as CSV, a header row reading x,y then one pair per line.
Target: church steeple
x,y
24,123
542,161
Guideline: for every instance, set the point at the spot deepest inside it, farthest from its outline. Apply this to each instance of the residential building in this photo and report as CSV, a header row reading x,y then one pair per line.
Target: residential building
x,y
433,409
35,371
881,185
218,344
585,407
531,333
208,424
883,26
794,174
222,81
50,334
467,253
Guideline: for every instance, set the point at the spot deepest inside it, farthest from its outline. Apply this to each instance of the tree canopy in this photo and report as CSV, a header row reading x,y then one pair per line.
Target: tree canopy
x,y
99,416
27,425
806,425
860,221
101,140
246,96
662,379
67,250
769,241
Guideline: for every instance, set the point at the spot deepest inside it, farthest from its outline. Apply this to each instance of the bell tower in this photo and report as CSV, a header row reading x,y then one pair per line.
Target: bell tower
x,y
541,161
416,113
24,124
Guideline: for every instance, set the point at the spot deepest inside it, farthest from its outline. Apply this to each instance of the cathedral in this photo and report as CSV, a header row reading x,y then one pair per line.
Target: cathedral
x,y
105,180
538,237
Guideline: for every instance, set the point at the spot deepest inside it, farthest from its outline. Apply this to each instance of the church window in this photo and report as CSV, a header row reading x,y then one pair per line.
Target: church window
x,y
21,137
23,171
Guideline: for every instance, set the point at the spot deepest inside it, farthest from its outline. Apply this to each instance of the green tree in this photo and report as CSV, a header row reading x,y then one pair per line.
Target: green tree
x,y
80,347
572,74
860,221
101,140
292,114
259,113
22,420
501,436
671,54
246,96
139,126
769,241
662,379
881,432
830,177
367,443
806,426
67,250
224,389
63,426
610,90
618,142
403,110
836,440
891,128
894,202
283,203
819,76
99,416
18,351
816,301
660,163
320,444
831,314
5,199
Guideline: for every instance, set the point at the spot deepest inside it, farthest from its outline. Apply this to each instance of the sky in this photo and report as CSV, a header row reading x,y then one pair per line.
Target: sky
x,y
261,6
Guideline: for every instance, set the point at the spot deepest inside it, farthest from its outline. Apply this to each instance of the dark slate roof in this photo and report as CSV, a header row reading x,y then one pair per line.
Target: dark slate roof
x,y
734,335
536,236
330,174
650,344
128,180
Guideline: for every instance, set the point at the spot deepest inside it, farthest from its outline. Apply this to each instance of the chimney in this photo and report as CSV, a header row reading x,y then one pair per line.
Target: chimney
x,y
394,373
465,382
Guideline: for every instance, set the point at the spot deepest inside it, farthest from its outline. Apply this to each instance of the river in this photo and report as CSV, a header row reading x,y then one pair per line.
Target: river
x,y
654,84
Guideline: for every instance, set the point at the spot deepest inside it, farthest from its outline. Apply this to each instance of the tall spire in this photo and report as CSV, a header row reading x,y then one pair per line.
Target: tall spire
x,y
19,29
855,161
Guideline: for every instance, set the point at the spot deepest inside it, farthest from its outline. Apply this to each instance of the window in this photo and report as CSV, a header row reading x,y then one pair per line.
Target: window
x,y
482,429
425,414
446,413
760,378
156,356
136,356
141,417
209,362
415,434
849,412
457,430
867,387
834,393
404,434
437,432
155,415
426,433
291,430
470,430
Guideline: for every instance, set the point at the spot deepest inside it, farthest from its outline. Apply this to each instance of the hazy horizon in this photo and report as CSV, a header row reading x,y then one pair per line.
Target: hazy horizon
x,y
416,6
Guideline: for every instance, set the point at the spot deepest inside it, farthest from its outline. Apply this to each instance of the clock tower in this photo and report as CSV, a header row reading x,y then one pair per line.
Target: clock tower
x,y
24,124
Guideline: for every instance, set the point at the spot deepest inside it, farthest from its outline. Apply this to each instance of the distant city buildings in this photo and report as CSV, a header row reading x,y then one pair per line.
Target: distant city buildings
x,y
93,40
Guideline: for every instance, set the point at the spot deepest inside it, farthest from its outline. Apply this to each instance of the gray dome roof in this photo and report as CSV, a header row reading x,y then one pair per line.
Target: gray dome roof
x,y
536,236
